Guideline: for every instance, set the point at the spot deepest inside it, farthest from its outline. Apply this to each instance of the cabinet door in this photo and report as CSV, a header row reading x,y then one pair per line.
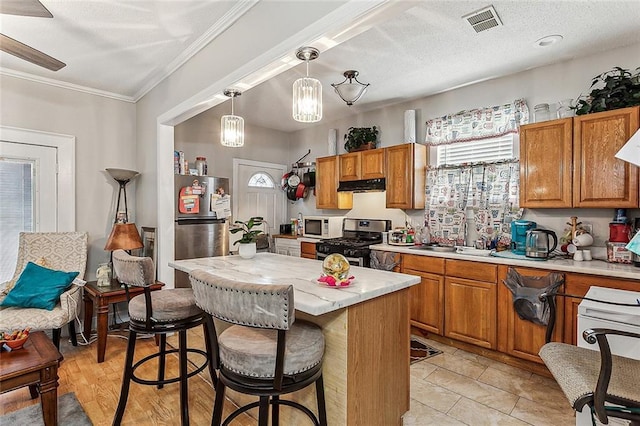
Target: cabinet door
x,y
600,179
518,337
546,164
372,164
327,196
470,311
307,250
405,176
349,166
426,302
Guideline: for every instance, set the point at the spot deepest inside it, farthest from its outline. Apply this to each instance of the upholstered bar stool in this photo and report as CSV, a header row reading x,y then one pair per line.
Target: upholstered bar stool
x,y
159,313
264,353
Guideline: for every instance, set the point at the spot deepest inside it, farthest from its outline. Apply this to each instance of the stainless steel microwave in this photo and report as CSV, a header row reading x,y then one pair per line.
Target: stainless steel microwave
x,y
322,226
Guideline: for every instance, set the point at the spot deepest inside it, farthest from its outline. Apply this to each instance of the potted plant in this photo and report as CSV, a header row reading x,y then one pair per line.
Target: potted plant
x,y
617,88
361,138
247,248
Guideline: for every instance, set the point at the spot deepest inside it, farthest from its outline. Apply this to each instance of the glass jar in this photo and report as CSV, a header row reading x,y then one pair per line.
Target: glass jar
x,y
201,166
564,108
541,113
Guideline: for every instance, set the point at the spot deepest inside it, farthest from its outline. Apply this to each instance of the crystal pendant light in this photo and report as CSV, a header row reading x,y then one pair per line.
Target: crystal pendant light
x,y
232,126
348,90
307,91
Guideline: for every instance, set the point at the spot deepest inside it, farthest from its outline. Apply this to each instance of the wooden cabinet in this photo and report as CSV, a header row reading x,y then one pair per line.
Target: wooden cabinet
x,y
327,196
405,172
469,304
362,165
600,179
546,164
518,337
308,250
571,162
426,300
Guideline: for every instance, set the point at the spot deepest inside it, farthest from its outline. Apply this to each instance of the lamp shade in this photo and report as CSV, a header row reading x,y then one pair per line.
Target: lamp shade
x,y
350,90
232,131
124,236
307,100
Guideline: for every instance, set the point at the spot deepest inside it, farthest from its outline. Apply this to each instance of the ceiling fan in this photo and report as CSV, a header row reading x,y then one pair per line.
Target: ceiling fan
x,y
7,44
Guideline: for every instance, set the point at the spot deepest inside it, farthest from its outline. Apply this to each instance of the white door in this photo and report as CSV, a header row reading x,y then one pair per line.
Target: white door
x,y
28,197
257,192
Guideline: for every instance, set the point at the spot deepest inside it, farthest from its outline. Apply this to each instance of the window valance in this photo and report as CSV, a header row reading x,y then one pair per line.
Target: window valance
x,y
477,124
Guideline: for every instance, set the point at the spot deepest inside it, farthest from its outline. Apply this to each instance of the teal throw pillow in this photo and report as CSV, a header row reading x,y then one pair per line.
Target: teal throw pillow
x,y
38,287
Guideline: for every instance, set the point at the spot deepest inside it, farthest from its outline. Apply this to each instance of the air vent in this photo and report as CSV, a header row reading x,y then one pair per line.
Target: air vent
x,y
483,19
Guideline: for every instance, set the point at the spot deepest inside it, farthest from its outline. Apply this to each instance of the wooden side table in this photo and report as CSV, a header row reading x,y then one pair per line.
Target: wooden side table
x,y
35,364
102,297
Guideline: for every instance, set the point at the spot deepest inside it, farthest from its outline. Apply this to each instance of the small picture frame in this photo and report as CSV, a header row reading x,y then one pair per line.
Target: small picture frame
x,y
149,247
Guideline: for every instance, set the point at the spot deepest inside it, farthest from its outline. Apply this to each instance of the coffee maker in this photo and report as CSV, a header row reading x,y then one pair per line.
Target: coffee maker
x,y
519,230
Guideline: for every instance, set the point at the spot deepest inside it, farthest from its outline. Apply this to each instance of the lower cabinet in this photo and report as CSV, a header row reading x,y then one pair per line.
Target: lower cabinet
x,y
308,250
287,246
426,300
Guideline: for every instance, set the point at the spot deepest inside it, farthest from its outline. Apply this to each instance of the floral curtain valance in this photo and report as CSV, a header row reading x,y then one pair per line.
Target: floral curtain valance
x,y
477,124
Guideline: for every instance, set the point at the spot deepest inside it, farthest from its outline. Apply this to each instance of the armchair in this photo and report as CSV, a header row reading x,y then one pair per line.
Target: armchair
x,y
608,384
65,251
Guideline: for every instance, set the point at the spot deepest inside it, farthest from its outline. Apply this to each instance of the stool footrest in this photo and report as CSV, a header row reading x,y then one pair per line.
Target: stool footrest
x,y
172,379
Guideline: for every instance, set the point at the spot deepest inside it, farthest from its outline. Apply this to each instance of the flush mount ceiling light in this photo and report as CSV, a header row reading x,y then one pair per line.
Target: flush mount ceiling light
x,y
548,40
232,126
307,91
350,90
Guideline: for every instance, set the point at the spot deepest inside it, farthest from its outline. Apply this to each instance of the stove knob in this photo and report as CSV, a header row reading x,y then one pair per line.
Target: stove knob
x,y
349,252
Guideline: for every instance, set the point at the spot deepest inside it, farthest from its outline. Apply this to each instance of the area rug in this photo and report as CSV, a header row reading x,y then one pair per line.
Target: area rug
x,y
70,413
421,351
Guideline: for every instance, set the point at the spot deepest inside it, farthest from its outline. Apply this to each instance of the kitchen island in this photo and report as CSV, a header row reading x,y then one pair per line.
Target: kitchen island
x,y
366,328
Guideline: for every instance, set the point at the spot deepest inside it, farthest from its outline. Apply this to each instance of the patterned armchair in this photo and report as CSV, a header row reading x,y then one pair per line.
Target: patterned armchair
x,y
65,251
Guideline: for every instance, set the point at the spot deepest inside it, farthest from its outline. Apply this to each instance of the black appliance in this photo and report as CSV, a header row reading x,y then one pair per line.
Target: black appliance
x,y
367,185
357,236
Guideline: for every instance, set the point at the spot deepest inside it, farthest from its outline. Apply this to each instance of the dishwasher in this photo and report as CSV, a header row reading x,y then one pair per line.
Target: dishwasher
x,y
592,314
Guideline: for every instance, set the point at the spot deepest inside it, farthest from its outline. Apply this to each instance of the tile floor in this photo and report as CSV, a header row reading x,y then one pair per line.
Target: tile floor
x,y
461,388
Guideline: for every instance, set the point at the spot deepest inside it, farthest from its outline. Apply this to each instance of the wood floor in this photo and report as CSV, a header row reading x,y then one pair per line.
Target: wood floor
x,y
97,387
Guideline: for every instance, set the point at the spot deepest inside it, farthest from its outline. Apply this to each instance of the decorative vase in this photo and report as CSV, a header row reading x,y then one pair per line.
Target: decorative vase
x,y
247,250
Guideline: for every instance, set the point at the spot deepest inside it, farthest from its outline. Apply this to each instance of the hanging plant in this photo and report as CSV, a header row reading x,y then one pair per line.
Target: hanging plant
x,y
617,88
360,138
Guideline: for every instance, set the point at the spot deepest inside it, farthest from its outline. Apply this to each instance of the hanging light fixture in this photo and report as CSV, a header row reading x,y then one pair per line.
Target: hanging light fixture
x,y
232,126
307,91
348,90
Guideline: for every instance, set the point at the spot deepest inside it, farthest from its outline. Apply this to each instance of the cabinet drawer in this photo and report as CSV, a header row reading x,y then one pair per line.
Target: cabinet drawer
x,y
308,249
434,265
471,270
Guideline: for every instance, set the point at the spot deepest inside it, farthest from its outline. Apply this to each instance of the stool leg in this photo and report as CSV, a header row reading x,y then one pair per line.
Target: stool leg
x,y
184,394
216,419
126,378
161,364
322,409
275,410
263,411
209,336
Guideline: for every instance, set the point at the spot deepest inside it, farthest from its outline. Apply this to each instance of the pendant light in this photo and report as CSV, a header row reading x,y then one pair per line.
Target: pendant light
x,y
307,91
350,91
232,126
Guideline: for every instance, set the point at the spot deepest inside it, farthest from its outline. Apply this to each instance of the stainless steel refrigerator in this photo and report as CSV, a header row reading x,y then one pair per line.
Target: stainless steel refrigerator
x,y
202,210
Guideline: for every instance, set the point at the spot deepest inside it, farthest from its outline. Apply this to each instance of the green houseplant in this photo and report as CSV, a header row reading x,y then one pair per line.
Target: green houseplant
x,y
361,138
247,248
617,88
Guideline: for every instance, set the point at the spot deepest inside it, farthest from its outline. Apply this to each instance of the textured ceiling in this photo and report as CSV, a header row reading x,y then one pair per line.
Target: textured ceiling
x,y
419,48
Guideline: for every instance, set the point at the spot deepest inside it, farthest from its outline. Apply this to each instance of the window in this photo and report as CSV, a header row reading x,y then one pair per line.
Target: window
x,y
261,180
483,150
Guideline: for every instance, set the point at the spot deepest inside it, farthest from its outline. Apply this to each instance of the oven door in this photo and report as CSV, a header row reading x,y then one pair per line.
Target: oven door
x,y
353,261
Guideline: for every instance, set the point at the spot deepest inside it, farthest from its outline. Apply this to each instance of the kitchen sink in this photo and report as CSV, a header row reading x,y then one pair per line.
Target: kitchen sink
x,y
434,247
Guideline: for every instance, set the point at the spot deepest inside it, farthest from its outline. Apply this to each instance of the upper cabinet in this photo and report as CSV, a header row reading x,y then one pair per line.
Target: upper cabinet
x,y
362,165
600,179
405,172
571,162
326,184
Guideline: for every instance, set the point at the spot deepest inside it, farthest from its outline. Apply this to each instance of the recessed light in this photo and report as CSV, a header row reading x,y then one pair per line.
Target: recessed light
x,y
548,40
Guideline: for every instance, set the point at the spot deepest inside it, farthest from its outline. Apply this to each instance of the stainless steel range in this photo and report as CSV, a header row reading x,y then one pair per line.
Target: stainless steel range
x,y
357,236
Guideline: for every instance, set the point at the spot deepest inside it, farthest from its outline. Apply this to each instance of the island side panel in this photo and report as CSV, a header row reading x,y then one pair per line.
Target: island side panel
x,y
378,360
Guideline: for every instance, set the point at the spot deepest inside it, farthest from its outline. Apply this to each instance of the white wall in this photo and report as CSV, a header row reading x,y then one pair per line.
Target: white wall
x,y
545,84
105,137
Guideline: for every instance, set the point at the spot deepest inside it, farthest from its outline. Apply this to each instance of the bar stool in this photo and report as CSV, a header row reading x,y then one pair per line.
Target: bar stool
x,y
264,353
159,313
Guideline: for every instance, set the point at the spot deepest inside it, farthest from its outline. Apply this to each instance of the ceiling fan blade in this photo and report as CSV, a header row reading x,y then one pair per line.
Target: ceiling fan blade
x,y
28,53
24,8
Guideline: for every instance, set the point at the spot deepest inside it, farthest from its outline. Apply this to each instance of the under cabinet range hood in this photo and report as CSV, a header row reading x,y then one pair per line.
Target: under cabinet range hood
x,y
366,185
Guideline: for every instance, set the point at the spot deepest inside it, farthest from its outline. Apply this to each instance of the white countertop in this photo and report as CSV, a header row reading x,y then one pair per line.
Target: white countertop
x,y
309,296
592,267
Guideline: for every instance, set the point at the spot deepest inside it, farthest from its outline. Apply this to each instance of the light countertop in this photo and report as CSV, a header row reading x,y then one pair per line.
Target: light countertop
x,y
593,267
310,296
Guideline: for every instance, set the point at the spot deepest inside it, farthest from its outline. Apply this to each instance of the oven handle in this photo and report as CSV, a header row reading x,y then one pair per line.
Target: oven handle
x,y
359,261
